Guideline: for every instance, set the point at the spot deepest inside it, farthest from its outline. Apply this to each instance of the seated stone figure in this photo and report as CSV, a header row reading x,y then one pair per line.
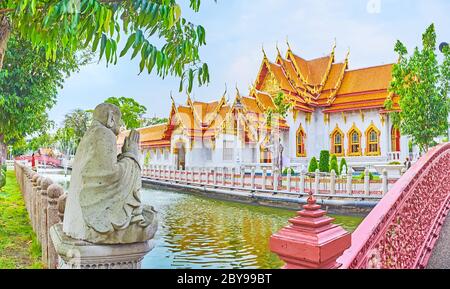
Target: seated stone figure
x,y
103,203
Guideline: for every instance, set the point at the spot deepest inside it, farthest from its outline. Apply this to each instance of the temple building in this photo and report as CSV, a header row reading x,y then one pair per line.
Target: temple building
x,y
331,108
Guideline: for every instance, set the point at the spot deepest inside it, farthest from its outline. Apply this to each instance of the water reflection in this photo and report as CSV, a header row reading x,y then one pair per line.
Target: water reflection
x,y
196,232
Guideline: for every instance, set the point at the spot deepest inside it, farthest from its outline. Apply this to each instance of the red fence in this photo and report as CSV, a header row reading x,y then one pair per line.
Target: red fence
x,y
41,160
402,229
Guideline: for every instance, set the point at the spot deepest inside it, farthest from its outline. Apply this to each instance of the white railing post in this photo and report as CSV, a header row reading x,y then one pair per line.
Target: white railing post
x,y
264,178
233,181
333,182
275,179
215,176
224,176
385,182
367,182
302,182
253,178
349,181
243,177
289,175
316,181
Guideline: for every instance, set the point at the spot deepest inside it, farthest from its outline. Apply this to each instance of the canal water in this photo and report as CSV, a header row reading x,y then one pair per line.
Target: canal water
x,y
201,233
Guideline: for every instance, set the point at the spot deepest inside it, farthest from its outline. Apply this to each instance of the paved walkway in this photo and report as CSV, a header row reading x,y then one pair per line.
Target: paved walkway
x,y
440,258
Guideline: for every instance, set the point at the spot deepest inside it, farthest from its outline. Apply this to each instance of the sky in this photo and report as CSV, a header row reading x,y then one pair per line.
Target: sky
x,y
238,29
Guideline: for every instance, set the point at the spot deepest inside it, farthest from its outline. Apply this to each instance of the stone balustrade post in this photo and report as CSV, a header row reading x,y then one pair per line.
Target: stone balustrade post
x,y
224,176
43,233
317,182
289,176
62,207
233,176
31,211
275,179
54,192
302,182
264,178
333,182
253,176
367,182
349,181
385,182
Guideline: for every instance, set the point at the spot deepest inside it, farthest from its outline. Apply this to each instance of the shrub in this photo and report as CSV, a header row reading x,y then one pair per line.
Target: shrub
x,y
2,179
361,176
341,166
394,163
286,171
334,165
313,166
324,163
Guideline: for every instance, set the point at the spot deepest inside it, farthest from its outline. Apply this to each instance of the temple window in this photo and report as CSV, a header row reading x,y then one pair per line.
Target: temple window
x,y
395,139
373,141
354,141
228,151
337,142
301,152
266,155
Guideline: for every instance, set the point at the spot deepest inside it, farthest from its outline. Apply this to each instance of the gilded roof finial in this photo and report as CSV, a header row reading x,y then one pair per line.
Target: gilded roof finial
x,y
288,45
237,91
347,57
278,51
264,52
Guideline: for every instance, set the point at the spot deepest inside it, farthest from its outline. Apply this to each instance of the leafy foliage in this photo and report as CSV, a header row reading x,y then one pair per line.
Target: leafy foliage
x,y
99,25
75,126
154,121
282,106
324,162
334,165
313,165
423,86
132,111
343,164
28,88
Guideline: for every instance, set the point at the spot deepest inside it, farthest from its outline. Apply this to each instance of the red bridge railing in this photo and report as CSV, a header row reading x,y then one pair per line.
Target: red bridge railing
x,y
41,159
401,231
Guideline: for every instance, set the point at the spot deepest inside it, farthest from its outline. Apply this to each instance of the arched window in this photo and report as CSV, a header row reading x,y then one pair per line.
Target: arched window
x,y
373,141
337,142
354,141
301,151
395,139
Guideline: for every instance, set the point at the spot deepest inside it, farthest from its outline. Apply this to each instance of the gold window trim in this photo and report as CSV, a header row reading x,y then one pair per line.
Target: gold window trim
x,y
371,128
337,130
353,129
300,134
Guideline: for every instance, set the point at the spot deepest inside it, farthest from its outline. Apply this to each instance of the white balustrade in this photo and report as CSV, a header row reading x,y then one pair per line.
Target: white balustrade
x,y
367,182
333,182
316,181
385,184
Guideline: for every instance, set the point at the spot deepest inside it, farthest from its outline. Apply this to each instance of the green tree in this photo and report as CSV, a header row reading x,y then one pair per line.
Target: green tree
x,y
334,165
282,106
313,165
423,85
76,124
153,121
44,140
155,29
29,85
343,167
324,162
132,111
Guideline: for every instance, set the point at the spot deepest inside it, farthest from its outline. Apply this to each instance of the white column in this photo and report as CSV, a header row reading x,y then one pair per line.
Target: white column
x,y
333,182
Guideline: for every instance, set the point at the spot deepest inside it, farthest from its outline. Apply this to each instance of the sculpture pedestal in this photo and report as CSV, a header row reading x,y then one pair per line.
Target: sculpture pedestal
x,y
76,254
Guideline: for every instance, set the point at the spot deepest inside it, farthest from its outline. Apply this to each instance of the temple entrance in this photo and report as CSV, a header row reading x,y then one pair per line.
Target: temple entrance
x,y
180,153
395,139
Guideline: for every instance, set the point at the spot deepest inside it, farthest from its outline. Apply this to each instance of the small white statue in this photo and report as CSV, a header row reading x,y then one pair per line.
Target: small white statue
x,y
103,204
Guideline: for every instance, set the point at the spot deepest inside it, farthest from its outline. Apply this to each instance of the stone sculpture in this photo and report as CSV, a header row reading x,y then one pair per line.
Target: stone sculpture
x,y
103,203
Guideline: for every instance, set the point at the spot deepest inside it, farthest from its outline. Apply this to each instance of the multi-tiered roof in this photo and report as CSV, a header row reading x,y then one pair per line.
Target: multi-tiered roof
x,y
308,84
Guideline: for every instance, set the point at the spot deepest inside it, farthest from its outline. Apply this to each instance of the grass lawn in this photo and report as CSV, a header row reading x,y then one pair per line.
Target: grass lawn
x,y
19,247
